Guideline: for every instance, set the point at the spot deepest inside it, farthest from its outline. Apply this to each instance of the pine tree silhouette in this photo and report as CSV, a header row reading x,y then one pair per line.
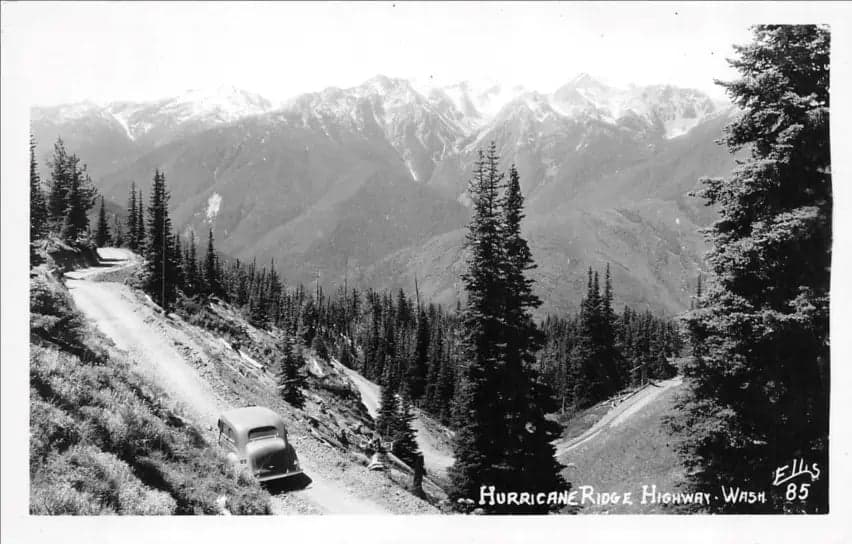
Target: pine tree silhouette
x,y
760,371
102,235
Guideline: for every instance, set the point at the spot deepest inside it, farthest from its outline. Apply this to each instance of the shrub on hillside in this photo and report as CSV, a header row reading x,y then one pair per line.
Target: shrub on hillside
x,y
103,441
86,480
112,410
53,321
197,313
51,429
320,347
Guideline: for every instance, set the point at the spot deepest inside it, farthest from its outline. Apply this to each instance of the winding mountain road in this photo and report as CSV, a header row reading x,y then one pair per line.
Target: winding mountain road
x,y
116,312
618,414
436,459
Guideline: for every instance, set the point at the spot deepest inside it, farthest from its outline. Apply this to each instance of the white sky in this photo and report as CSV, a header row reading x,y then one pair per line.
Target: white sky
x,y
111,51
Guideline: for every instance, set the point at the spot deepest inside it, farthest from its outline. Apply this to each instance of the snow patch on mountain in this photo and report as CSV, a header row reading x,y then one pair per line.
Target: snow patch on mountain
x,y
422,131
122,119
676,111
475,104
213,205
411,170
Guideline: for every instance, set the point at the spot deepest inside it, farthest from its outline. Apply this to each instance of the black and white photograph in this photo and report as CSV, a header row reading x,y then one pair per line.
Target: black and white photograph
x,y
431,259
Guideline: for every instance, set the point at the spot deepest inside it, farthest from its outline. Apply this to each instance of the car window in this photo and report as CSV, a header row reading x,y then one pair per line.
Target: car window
x,y
263,432
226,437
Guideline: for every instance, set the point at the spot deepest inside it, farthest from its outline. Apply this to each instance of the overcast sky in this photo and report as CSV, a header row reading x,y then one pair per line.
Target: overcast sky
x,y
136,51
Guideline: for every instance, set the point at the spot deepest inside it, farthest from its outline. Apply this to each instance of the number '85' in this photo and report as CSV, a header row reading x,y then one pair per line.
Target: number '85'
x,y
797,491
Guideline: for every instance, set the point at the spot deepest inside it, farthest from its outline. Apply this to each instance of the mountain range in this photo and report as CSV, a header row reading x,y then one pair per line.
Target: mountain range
x,y
369,183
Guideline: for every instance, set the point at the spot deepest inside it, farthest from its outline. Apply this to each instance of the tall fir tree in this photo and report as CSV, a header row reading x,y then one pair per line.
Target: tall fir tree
x,y
445,393
38,205
403,435
79,199
132,218
118,239
212,281
102,234
478,441
610,356
528,450
180,265
57,201
431,401
141,237
191,266
760,374
386,422
292,380
419,368
161,261
71,194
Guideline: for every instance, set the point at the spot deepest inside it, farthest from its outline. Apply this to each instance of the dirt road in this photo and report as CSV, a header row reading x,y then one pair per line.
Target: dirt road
x,y
116,311
436,459
619,414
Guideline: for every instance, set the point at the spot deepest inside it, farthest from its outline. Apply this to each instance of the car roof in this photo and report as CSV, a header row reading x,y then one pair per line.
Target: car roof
x,y
251,417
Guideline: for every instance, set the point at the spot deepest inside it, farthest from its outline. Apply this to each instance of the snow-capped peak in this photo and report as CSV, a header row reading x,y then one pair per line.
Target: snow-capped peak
x,y
200,107
383,85
476,103
224,103
584,79
674,109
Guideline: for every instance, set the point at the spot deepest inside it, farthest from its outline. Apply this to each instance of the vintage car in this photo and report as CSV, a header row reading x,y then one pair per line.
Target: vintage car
x,y
256,437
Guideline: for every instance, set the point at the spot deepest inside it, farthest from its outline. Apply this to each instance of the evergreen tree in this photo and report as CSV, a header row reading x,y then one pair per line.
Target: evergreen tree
x,y
446,391
161,261
419,368
477,444
598,372
79,198
373,355
191,267
609,354
386,422
141,237
180,265
431,401
257,311
390,353
760,375
292,379
309,319
71,194
102,235
57,201
38,206
529,454
132,213
220,273
212,282
117,234
663,369
403,434
320,347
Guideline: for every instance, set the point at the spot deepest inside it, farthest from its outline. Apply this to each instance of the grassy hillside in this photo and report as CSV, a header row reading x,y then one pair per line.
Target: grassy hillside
x,y
104,440
628,456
